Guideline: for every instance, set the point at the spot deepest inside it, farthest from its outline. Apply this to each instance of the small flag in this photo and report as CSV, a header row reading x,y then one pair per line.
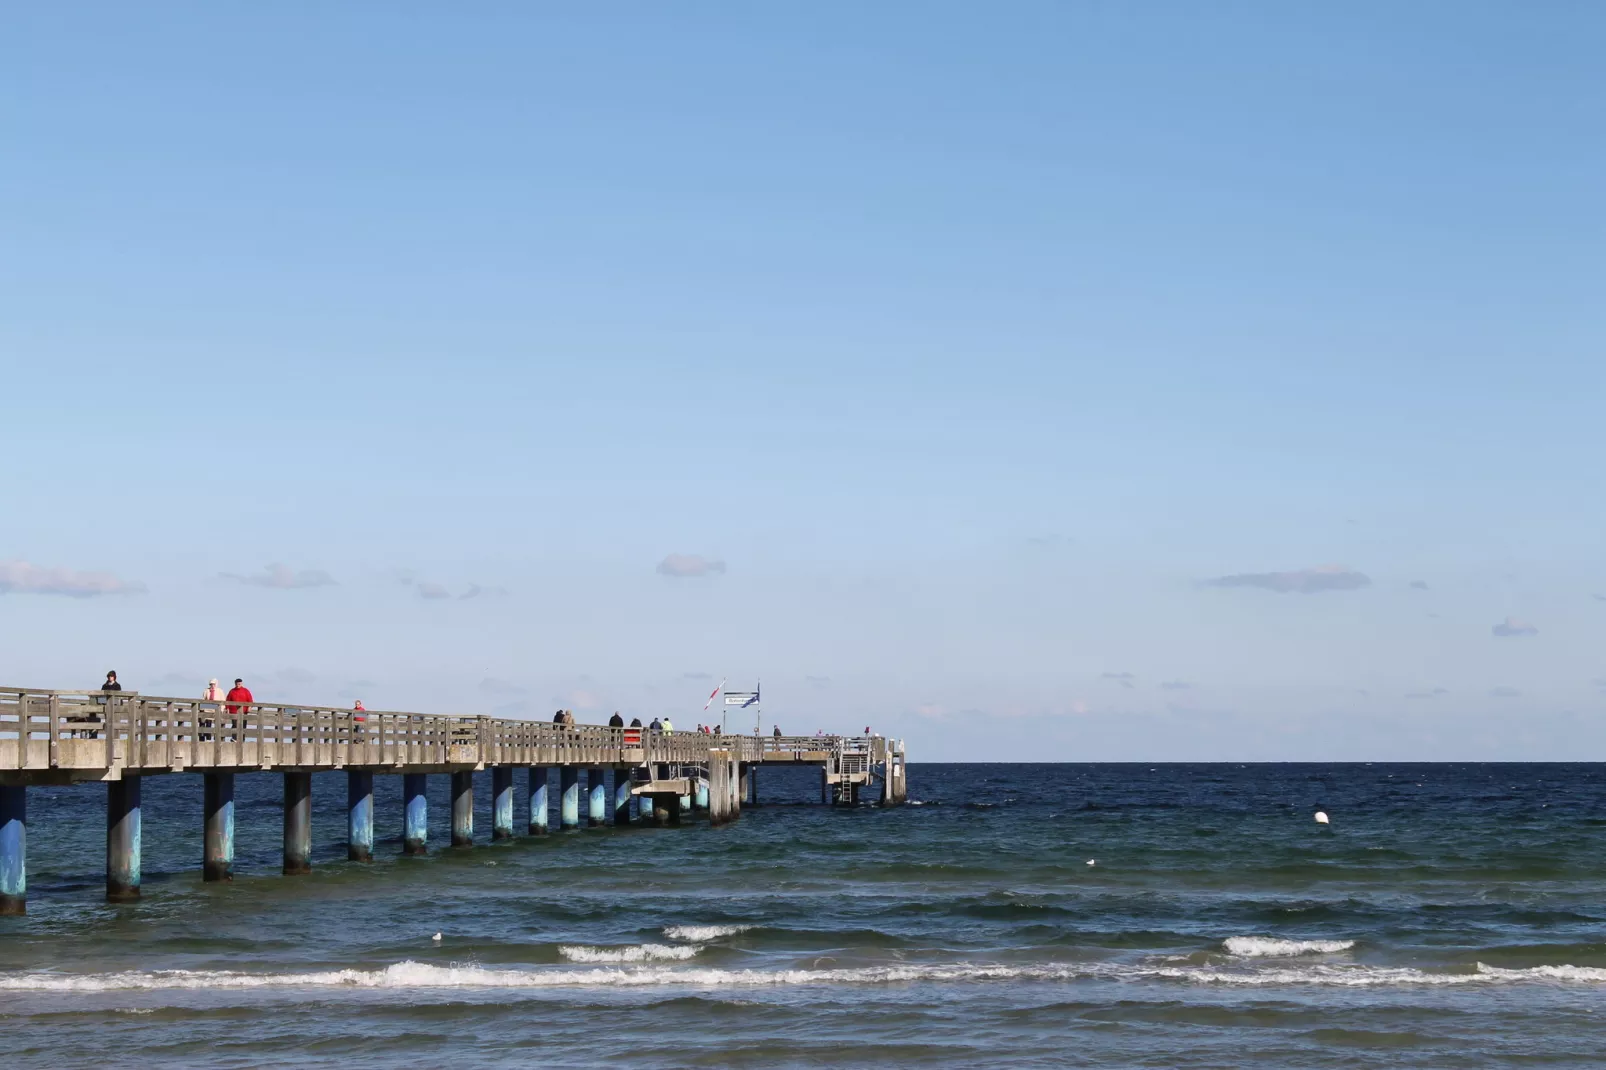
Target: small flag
x,y
711,695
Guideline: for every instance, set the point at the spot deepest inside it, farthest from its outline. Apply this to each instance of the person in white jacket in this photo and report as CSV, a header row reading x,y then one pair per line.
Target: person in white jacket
x,y
214,696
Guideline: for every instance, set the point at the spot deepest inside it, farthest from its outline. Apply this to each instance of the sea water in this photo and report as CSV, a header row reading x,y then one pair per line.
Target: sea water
x,y
1011,915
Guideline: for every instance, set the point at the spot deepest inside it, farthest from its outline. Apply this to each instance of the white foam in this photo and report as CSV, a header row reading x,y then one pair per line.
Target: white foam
x,y
701,933
415,975
639,953
1254,947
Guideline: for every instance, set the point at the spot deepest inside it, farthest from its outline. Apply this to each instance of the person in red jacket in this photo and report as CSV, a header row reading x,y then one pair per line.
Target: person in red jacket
x,y
238,694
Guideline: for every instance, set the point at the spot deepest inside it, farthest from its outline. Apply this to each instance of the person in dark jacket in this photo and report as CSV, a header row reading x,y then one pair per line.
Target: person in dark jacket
x,y
557,718
657,725
616,721
635,722
111,683
777,731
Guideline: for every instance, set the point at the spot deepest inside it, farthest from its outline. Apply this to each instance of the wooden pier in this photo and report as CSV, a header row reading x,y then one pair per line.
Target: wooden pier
x,y
71,737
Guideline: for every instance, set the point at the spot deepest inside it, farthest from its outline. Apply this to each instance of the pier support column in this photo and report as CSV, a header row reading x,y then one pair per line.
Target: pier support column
x,y
539,816
501,802
752,786
621,796
825,787
699,795
569,796
359,815
13,850
217,806
719,796
415,815
743,771
463,808
597,811
122,839
297,823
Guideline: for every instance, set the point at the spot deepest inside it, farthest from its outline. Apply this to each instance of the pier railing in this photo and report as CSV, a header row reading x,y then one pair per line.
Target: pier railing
x,y
94,731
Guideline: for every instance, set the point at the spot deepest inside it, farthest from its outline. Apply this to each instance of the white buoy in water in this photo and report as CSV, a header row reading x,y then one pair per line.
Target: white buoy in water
x,y
1321,817
436,938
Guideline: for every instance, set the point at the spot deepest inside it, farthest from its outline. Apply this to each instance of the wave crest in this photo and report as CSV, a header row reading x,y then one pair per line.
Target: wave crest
x,y
639,953
698,934
1254,947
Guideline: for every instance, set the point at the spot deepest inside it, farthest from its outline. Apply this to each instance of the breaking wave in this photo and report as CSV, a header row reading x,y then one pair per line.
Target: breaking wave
x,y
639,953
1254,947
415,975
701,933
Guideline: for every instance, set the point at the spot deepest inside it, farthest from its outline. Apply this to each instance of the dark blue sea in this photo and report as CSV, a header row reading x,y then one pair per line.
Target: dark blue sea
x,y
1011,915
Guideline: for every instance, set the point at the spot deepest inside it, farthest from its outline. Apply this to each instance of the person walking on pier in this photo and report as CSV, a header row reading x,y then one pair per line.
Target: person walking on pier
x,y
111,683
777,731
656,726
237,698
616,721
213,697
635,722
557,718
669,729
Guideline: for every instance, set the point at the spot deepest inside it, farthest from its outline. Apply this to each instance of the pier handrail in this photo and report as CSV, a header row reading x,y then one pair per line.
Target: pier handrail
x,y
108,729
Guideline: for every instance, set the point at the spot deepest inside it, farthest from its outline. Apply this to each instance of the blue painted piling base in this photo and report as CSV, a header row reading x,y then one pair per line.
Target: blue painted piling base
x,y
621,796
597,812
463,808
13,850
415,832
502,802
539,816
359,815
122,839
569,796
297,824
217,859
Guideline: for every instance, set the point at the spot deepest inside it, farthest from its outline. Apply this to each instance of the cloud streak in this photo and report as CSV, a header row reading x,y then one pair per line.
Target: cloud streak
x,y
686,565
1512,628
19,577
282,578
1300,581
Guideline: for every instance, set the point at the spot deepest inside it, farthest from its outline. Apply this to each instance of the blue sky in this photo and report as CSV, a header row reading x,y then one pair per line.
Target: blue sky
x,y
971,344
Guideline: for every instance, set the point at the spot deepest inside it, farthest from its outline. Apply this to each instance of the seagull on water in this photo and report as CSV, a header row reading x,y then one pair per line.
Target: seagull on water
x,y
436,938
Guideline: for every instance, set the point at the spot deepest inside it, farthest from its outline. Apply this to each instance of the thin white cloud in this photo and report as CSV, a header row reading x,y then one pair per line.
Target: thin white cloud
x,y
1504,692
682,565
19,577
1512,628
433,591
282,578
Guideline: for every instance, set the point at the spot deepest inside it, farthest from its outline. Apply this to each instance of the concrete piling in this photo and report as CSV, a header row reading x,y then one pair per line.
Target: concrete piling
x,y
13,850
359,815
501,802
699,798
751,798
217,806
415,831
539,817
825,788
122,839
297,823
463,808
597,810
569,796
621,795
